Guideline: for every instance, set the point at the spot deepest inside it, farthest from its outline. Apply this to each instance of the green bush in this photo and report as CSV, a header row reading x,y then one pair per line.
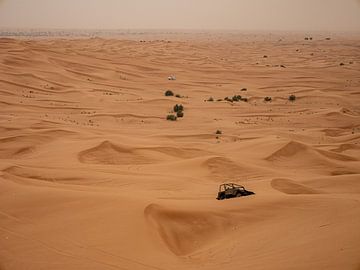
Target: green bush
x,y
267,99
178,108
169,93
171,117
236,98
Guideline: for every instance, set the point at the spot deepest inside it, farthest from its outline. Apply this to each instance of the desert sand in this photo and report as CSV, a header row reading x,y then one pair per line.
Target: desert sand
x,y
93,176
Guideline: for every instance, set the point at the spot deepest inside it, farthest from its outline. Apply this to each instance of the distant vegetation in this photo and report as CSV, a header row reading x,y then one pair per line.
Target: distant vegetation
x,y
267,99
169,93
171,117
292,98
218,132
235,98
178,110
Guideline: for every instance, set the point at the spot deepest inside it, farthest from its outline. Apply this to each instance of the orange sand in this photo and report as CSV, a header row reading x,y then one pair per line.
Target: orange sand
x,y
92,176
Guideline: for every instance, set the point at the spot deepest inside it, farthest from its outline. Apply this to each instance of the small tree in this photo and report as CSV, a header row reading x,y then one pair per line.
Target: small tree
x,y
169,93
236,98
178,108
267,99
292,98
171,117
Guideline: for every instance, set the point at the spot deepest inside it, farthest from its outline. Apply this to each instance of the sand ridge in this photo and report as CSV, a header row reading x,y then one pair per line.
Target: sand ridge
x,y
93,176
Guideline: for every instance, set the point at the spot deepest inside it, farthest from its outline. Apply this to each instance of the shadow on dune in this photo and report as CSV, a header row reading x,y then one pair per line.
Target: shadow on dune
x,y
185,232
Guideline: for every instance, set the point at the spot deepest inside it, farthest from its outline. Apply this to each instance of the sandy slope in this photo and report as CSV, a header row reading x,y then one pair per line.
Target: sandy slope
x,y
92,176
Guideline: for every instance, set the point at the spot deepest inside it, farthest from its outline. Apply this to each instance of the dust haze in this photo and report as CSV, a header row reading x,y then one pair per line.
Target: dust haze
x,y
329,15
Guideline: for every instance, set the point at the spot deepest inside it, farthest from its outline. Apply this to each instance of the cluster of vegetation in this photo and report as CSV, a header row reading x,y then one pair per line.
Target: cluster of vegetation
x,y
290,98
170,93
179,109
179,113
236,98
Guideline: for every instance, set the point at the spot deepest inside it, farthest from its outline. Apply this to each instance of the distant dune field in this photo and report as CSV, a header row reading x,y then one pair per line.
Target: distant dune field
x,y
93,176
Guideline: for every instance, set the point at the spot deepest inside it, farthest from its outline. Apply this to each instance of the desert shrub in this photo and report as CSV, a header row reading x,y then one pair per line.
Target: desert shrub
x,y
341,64
267,99
211,99
178,96
244,99
292,97
178,108
236,98
180,114
169,93
220,99
244,89
171,117
218,132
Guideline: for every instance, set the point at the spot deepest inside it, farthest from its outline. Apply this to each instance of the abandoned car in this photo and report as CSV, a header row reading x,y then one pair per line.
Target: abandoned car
x,y
231,190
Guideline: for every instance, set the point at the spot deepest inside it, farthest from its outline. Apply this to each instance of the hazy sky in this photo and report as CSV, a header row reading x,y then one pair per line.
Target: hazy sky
x,y
315,15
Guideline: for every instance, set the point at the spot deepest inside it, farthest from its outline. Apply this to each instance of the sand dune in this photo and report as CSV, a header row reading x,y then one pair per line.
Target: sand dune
x,y
93,176
185,232
291,187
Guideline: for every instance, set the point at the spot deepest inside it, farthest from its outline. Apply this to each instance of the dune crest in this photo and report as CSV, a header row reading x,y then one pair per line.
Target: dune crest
x,y
290,187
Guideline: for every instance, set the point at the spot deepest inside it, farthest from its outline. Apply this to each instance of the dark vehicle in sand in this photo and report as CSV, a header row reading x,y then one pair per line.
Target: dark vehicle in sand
x,y
231,190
